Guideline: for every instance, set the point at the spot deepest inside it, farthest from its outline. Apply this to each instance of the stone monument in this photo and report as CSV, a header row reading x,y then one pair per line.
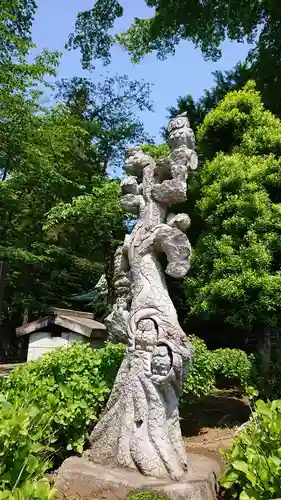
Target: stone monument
x,y
139,429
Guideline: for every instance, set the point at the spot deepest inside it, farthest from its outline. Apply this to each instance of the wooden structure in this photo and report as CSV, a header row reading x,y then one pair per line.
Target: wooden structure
x,y
58,328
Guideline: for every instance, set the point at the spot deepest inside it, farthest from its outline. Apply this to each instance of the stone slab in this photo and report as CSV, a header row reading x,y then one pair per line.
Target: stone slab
x,y
81,478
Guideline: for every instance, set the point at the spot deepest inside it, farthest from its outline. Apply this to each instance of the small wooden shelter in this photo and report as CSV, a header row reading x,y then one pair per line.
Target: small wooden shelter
x,y
58,328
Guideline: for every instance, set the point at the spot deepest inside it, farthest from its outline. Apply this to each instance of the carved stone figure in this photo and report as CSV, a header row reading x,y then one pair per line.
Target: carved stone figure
x,y
116,321
139,428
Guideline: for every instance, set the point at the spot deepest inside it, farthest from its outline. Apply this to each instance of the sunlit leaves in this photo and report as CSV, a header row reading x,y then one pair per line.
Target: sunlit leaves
x,y
254,460
92,31
235,276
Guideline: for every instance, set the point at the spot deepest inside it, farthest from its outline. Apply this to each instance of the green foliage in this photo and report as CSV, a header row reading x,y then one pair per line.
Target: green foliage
x,y
53,167
51,404
203,24
235,275
207,25
16,30
48,407
223,83
31,490
240,122
25,440
222,365
156,152
200,380
92,31
254,460
233,364
100,210
72,386
145,495
107,110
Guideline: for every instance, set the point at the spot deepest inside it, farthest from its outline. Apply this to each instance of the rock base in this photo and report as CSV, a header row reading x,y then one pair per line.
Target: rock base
x,y
82,479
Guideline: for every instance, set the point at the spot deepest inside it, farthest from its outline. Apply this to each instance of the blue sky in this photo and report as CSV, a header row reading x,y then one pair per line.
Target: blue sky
x,y
184,73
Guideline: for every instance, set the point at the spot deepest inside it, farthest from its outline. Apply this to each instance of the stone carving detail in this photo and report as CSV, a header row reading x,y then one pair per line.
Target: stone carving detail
x,y
116,322
139,428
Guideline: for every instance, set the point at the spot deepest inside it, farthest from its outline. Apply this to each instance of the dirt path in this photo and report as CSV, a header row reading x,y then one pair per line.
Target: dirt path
x,y
211,423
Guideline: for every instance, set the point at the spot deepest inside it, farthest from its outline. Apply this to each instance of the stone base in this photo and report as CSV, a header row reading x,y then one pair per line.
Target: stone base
x,y
82,479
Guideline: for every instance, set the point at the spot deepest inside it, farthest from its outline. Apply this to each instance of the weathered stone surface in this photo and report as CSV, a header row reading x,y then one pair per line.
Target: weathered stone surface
x,y
139,429
116,322
79,477
180,133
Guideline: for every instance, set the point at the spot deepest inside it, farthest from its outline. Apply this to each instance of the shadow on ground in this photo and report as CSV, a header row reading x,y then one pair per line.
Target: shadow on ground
x,y
220,410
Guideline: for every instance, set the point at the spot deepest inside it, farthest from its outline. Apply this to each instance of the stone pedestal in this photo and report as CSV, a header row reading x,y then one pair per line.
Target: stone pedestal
x,y
82,479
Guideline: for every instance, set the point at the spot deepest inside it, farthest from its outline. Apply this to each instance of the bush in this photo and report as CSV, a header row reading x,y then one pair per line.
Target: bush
x,y
31,490
200,380
254,461
24,451
71,387
233,365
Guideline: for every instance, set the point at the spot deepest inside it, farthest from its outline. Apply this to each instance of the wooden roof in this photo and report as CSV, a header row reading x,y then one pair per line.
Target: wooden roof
x,y
75,321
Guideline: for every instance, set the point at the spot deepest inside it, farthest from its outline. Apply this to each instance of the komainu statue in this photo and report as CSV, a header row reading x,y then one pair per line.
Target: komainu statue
x,y
139,428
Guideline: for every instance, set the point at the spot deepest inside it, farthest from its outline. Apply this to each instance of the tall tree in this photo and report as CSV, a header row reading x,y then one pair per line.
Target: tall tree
x,y
107,110
224,82
235,278
16,18
53,161
207,24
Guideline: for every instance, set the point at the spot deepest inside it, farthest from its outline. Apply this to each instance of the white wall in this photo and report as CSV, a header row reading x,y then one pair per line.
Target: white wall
x,y
42,342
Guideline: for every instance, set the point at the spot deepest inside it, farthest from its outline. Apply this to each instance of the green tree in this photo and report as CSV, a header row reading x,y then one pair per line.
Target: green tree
x,y
42,272
16,17
223,83
207,24
107,110
235,276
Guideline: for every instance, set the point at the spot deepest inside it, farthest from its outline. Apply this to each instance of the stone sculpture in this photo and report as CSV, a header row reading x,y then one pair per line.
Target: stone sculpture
x,y
116,322
139,428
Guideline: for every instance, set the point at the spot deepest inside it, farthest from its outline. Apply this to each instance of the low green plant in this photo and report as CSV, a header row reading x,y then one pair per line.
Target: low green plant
x,y
233,365
71,387
31,490
145,495
25,451
254,460
200,380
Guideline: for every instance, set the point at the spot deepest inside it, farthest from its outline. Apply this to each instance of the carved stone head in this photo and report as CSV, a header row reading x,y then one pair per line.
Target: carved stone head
x,y
180,133
136,161
146,334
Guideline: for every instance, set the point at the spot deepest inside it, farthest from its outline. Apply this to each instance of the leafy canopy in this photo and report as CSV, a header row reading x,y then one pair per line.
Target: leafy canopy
x,y
235,275
207,24
60,209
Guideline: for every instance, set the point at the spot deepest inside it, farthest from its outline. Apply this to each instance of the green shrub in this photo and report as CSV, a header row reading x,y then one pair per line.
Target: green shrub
x,y
234,365
254,461
70,386
200,380
31,490
24,451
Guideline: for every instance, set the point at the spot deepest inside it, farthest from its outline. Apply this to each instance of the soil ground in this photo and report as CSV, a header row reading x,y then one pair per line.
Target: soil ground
x,y
210,424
